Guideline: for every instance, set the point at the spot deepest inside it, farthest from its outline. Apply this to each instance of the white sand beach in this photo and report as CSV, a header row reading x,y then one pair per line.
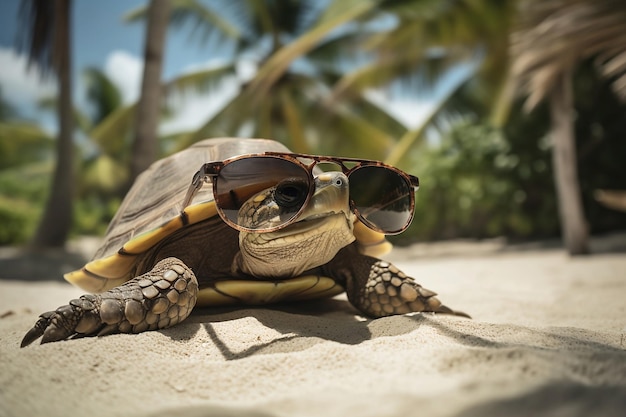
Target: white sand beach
x,y
548,337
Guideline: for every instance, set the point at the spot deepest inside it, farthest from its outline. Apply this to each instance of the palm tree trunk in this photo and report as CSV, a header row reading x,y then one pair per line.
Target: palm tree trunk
x,y
57,218
573,224
145,146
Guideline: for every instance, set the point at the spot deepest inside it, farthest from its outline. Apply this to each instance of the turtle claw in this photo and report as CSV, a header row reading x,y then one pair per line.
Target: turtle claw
x,y
32,335
37,330
53,326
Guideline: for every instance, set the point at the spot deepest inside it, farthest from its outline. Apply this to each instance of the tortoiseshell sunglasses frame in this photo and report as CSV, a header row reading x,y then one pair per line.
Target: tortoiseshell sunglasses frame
x,y
211,170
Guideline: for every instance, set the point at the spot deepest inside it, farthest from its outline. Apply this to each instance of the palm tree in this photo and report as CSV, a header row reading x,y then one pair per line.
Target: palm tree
x,y
553,38
104,127
295,110
429,40
415,41
46,37
106,123
145,148
109,126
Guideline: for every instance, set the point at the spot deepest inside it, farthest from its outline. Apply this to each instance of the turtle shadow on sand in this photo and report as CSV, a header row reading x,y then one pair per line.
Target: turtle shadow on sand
x,y
308,323
507,335
298,323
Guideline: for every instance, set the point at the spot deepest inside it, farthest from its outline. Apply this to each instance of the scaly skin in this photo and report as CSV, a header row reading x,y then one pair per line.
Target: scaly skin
x,y
378,288
157,299
165,290
165,296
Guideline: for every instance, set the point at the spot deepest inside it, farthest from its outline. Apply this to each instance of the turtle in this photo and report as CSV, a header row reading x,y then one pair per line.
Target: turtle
x,y
160,258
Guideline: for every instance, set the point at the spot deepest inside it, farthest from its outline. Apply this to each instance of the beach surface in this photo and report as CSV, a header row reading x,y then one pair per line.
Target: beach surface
x,y
548,337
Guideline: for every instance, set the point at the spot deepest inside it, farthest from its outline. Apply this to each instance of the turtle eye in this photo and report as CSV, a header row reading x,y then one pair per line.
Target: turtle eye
x,y
261,194
291,193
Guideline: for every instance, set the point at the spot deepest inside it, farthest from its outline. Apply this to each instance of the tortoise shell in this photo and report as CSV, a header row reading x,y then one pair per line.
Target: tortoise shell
x,y
151,211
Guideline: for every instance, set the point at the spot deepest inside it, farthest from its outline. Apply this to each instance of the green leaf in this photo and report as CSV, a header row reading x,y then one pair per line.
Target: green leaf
x,y
192,11
112,133
338,13
201,80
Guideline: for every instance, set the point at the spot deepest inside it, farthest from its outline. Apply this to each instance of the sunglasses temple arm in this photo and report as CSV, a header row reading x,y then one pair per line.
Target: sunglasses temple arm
x,y
196,183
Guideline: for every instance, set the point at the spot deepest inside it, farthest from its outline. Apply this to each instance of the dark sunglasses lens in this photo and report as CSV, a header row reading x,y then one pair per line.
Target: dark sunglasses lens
x,y
382,198
261,193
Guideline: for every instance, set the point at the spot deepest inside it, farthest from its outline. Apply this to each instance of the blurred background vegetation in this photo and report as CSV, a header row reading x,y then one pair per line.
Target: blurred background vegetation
x,y
486,153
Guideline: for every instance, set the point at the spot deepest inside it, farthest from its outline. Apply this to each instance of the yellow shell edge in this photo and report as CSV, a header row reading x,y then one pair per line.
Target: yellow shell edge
x,y
109,272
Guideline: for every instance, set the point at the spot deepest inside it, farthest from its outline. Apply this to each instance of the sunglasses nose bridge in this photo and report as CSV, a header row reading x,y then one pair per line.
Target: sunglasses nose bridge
x,y
331,179
329,195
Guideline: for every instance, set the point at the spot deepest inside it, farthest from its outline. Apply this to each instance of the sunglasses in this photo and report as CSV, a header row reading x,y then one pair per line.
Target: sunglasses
x,y
381,196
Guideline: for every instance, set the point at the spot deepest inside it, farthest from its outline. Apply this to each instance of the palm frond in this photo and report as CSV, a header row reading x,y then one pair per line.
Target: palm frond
x,y
224,123
338,13
444,23
102,94
357,136
112,133
37,40
81,119
339,52
104,173
275,18
417,71
202,80
556,35
293,122
432,37
202,16
458,102
22,142
377,116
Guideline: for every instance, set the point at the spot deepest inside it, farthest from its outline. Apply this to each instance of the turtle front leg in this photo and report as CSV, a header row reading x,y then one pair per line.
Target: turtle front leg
x,y
157,299
388,291
378,288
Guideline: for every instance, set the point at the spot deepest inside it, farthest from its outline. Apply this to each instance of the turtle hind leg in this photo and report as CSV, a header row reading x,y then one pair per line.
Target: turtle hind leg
x,y
160,298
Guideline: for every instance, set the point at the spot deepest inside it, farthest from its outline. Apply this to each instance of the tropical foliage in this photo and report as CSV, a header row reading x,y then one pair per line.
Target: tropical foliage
x,y
47,42
145,147
25,152
552,40
296,108
485,150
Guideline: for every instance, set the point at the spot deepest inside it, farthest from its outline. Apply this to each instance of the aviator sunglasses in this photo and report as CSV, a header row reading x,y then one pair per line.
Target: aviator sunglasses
x,y
381,196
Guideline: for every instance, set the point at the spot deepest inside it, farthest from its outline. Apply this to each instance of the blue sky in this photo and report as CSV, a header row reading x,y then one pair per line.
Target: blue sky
x,y
102,39
99,29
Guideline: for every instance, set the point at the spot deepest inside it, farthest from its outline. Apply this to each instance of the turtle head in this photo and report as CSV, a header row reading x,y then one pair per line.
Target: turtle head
x,y
314,239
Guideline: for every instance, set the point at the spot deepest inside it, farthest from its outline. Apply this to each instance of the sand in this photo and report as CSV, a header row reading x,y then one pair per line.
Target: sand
x,y
548,337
